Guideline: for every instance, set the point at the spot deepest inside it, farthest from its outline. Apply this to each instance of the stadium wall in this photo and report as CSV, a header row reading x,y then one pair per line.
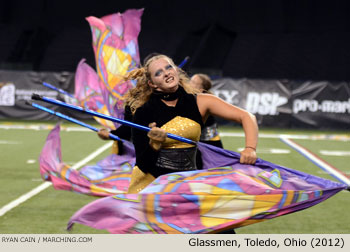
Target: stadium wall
x,y
276,103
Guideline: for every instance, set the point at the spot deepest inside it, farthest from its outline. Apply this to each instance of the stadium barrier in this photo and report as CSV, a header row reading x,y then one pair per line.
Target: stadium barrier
x,y
276,103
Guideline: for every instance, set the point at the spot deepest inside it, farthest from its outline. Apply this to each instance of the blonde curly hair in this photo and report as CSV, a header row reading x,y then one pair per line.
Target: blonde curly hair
x,y
140,94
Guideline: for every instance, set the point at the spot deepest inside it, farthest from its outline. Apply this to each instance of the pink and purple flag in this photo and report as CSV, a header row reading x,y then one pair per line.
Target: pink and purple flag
x,y
109,176
222,196
114,41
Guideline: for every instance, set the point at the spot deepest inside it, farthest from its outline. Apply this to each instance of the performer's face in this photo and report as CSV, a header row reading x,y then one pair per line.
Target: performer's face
x,y
164,76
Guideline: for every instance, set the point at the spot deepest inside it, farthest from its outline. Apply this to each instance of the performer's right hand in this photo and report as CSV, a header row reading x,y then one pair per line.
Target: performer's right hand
x,y
156,136
103,134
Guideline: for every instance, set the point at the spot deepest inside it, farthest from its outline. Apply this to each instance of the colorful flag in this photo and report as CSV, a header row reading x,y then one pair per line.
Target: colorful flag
x,y
225,195
89,93
109,176
114,40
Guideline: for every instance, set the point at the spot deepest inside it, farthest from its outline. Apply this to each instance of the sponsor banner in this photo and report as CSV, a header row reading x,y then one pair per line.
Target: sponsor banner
x,y
17,87
275,103
321,105
292,104
266,99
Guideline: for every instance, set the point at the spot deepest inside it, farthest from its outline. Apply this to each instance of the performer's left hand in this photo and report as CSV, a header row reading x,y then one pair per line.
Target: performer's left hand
x,y
248,156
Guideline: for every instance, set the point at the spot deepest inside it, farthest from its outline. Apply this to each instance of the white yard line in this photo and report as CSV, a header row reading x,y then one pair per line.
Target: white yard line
x,y
45,185
292,136
337,153
9,142
263,135
41,127
317,161
269,151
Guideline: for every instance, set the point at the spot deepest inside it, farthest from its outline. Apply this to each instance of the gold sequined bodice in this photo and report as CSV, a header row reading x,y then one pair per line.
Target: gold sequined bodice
x,y
183,127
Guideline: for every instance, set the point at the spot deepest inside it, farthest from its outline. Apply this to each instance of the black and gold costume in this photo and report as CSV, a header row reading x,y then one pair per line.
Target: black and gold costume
x,y
184,120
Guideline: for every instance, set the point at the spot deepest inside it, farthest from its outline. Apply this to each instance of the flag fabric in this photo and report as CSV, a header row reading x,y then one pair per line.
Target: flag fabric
x,y
109,176
114,41
89,93
222,196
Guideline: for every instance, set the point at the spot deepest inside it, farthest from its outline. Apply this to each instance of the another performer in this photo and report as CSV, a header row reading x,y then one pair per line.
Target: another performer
x,y
210,134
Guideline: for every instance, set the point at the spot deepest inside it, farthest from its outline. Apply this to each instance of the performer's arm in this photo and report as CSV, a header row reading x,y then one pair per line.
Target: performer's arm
x,y
210,104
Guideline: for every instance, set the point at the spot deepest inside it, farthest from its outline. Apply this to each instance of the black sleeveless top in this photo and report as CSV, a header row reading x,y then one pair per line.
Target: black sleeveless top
x,y
157,111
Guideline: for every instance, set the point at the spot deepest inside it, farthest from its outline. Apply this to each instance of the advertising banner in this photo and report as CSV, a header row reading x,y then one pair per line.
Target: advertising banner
x,y
275,103
289,104
321,105
17,87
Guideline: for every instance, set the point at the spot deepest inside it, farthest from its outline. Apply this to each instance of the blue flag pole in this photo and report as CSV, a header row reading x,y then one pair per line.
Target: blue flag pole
x,y
184,62
58,89
110,118
58,114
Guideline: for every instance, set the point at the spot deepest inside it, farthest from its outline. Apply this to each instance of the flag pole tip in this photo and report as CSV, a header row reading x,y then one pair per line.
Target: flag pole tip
x,y
36,97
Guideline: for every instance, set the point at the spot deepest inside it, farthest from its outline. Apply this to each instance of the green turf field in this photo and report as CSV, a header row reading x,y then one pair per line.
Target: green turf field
x,y
49,211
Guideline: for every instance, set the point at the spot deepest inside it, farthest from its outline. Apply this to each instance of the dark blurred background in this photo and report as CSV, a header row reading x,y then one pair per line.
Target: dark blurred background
x,y
248,38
